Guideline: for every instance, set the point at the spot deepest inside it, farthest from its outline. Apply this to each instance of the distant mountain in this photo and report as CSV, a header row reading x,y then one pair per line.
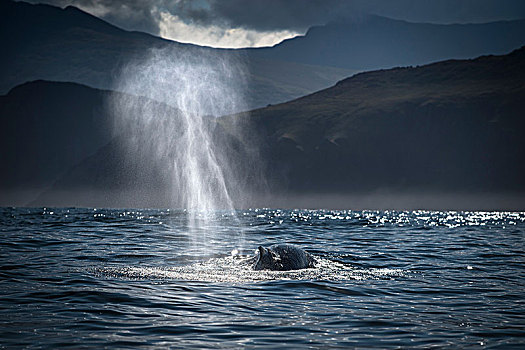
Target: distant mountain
x,y
454,127
47,129
374,42
46,42
62,143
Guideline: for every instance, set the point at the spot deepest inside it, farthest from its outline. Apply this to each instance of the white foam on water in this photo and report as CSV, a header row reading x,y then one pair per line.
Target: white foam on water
x,y
237,269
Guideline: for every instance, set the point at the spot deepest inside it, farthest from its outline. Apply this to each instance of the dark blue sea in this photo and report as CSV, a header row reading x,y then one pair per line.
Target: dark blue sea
x,y
109,278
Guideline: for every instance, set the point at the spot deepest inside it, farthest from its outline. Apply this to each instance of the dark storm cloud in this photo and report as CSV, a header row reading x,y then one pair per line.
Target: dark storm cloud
x,y
298,15
265,15
138,15
261,15
133,15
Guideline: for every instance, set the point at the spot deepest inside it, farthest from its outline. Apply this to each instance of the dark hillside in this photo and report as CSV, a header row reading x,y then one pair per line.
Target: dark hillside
x,y
452,125
450,128
48,127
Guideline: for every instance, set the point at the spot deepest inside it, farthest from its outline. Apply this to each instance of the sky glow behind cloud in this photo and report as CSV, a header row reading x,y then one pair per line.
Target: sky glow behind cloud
x,y
174,28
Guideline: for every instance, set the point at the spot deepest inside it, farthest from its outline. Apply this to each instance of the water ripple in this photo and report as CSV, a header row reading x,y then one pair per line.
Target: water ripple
x,y
101,278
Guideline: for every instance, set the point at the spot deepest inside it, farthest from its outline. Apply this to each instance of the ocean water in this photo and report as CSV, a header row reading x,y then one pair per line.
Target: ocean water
x,y
94,278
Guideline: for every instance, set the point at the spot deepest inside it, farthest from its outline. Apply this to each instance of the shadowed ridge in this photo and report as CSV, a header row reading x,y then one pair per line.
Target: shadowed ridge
x,y
513,68
373,42
49,19
48,130
455,125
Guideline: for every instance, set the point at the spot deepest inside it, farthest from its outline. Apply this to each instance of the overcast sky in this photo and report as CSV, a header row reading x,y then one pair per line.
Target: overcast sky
x,y
243,23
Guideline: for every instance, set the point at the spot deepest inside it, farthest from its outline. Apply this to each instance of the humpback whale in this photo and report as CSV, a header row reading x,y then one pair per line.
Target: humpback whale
x,y
282,257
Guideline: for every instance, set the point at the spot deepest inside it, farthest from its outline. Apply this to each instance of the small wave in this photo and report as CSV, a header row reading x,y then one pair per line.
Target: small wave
x,y
237,269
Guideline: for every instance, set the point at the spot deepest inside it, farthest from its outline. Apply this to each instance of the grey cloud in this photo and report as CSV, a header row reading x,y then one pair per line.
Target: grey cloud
x,y
260,15
138,15
268,15
298,15
134,16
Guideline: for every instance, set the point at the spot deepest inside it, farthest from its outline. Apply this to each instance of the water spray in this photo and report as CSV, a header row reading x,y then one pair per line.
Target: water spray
x,y
174,126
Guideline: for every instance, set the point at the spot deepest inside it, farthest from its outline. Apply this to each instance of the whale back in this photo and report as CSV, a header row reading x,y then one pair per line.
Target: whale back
x,y
282,257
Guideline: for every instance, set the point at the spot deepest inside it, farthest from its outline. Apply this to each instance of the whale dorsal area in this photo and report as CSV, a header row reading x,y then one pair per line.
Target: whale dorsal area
x,y
282,257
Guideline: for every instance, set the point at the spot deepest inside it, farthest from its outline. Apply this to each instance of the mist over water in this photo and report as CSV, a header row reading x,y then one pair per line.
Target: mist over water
x,y
175,131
